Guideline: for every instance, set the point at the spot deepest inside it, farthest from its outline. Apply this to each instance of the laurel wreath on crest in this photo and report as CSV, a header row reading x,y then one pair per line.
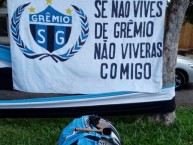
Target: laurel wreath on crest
x,y
15,21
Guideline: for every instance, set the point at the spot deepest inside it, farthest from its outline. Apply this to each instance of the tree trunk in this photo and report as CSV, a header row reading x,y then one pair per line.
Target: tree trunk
x,y
172,33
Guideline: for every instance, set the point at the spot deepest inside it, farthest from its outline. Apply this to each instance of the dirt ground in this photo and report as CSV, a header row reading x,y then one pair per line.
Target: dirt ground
x,y
184,97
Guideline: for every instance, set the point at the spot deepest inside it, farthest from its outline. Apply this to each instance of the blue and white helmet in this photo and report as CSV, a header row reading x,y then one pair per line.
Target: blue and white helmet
x,y
89,130
111,138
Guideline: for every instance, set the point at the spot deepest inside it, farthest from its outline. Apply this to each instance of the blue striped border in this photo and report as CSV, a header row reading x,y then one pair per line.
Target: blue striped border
x,y
5,53
169,86
76,97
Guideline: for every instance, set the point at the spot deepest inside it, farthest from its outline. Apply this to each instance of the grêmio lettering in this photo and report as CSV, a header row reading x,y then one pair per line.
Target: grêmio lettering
x,y
49,18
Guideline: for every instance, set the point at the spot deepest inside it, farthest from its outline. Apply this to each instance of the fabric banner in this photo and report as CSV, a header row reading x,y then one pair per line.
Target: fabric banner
x,y
87,46
103,99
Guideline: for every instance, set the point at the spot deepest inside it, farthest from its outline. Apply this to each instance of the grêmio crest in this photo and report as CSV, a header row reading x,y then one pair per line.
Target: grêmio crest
x,y
51,30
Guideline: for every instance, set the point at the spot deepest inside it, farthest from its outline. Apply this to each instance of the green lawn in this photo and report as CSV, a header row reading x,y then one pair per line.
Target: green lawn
x,y
46,131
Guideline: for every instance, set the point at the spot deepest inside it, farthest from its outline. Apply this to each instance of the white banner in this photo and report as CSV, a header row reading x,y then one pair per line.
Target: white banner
x,y
115,98
87,46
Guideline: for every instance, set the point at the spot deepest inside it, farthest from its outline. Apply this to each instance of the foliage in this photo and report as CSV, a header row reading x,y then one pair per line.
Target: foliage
x,y
189,13
133,130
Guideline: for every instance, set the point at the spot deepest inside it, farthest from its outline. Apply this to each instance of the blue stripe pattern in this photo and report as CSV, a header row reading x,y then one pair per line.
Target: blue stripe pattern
x,y
5,53
75,97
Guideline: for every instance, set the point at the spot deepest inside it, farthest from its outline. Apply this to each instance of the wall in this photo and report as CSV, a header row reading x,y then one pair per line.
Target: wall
x,y
186,36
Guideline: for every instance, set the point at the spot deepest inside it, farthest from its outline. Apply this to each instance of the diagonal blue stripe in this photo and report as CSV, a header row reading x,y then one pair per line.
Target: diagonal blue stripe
x,y
5,53
75,97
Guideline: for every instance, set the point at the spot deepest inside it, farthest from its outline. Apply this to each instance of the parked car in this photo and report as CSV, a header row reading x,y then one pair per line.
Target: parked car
x,y
184,71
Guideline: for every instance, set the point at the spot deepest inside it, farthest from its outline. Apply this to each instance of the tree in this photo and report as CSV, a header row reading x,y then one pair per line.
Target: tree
x,y
189,13
174,23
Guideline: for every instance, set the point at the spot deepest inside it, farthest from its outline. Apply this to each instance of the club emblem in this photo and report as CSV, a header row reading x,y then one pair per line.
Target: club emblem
x,y
51,30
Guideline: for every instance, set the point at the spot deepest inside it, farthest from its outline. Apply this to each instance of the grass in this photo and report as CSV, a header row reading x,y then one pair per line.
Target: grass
x,y
46,131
